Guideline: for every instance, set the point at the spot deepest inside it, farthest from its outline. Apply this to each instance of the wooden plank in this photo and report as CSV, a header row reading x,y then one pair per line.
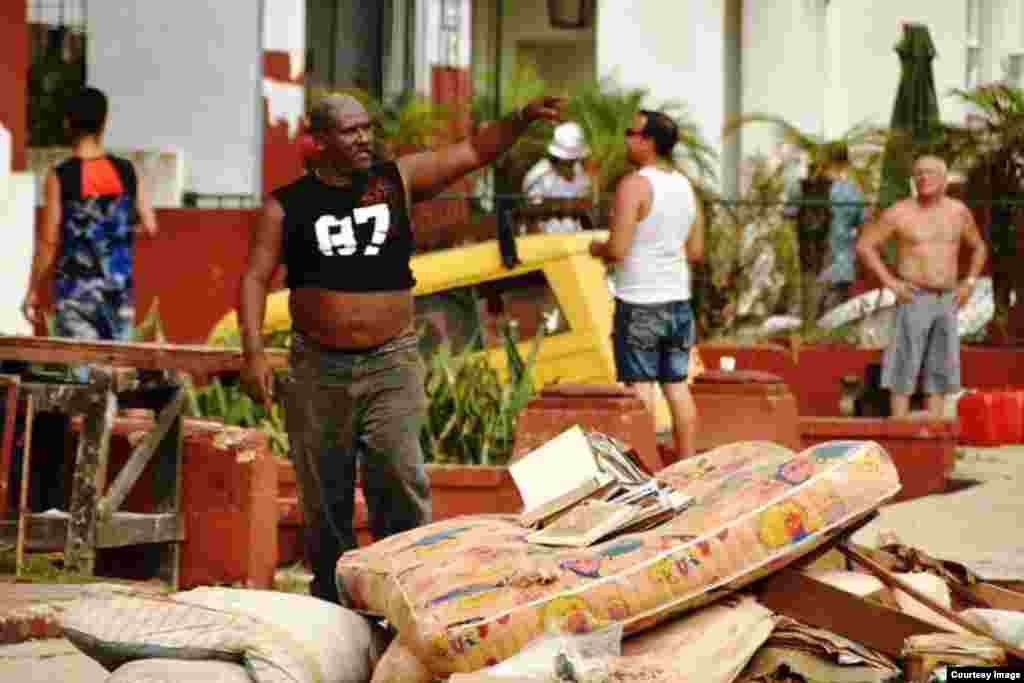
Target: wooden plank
x,y
90,461
58,398
804,598
996,597
26,475
140,456
48,532
167,472
11,383
129,528
193,359
896,583
43,533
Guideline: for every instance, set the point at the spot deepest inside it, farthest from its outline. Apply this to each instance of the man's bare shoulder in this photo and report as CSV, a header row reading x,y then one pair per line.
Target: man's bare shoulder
x,y
633,184
898,214
956,206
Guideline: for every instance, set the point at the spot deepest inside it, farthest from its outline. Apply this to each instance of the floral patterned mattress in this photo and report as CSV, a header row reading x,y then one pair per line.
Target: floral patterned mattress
x,y
469,592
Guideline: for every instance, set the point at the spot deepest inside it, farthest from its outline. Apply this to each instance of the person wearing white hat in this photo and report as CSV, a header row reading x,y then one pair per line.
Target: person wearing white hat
x,y
560,175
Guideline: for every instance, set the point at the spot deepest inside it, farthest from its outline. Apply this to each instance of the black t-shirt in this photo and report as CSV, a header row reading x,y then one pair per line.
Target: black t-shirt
x,y
355,239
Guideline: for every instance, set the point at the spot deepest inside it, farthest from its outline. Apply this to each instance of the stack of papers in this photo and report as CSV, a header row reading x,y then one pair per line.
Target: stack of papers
x,y
581,487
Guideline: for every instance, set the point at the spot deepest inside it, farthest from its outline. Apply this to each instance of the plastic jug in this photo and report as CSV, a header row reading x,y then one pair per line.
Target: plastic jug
x,y
975,413
1013,400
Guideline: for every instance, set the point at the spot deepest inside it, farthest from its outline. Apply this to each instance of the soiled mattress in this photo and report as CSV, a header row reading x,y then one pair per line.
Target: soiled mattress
x,y
469,592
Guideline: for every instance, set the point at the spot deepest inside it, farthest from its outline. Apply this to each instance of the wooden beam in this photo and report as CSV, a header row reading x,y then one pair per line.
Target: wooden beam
x,y
997,597
26,476
896,583
58,398
193,359
11,382
90,461
129,528
141,456
44,532
48,532
812,602
167,468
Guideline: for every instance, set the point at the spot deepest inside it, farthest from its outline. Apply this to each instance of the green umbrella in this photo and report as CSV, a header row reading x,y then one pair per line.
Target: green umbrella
x,y
915,122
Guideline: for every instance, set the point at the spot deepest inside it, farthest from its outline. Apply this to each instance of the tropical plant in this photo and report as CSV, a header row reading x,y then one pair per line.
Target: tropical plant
x,y
737,234
519,85
864,138
991,148
605,109
227,402
866,146
472,413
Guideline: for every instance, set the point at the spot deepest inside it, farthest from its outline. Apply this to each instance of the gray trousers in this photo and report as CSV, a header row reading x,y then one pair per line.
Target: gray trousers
x,y
341,406
925,345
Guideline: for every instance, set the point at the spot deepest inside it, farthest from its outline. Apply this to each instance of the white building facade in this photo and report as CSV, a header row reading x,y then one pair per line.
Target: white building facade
x,y
824,65
189,78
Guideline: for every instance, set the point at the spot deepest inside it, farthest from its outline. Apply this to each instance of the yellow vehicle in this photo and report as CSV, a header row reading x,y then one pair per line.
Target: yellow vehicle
x,y
466,291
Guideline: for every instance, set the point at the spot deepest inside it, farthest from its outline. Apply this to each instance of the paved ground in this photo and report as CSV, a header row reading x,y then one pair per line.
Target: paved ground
x,y
981,519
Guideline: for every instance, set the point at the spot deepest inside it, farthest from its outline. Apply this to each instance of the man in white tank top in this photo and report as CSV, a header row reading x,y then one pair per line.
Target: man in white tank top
x,y
656,231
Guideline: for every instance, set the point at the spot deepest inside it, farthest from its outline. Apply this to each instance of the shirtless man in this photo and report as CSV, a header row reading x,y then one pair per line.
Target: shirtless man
x,y
929,230
344,234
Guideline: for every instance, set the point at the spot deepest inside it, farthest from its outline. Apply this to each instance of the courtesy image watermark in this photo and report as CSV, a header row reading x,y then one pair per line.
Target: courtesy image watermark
x,y
980,673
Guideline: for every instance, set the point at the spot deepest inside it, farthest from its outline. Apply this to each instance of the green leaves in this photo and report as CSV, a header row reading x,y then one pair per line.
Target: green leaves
x,y
227,401
605,109
471,417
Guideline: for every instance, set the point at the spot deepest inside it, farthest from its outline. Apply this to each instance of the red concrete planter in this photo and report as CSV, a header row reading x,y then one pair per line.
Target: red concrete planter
x,y
455,490
744,405
472,489
923,450
607,408
228,494
813,372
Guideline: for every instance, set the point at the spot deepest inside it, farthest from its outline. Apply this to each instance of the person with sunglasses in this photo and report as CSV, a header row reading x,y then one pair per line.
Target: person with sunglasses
x,y
656,231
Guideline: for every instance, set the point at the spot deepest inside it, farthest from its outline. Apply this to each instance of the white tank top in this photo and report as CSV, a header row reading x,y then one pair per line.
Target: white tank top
x,y
655,269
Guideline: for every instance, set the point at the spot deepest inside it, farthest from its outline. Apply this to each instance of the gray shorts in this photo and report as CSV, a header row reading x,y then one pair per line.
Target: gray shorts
x,y
925,344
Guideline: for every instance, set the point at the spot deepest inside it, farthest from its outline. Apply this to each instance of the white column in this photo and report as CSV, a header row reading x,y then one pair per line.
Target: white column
x,y
428,41
676,50
185,76
17,215
284,23
836,105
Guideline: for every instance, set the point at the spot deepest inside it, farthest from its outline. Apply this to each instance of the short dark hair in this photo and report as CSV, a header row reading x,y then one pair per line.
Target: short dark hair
x,y
839,153
87,112
660,127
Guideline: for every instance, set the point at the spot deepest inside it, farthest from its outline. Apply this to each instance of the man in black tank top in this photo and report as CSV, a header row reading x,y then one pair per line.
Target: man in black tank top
x,y
344,235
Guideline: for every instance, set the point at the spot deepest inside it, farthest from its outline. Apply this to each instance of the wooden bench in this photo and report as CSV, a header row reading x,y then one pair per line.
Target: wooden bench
x,y
94,521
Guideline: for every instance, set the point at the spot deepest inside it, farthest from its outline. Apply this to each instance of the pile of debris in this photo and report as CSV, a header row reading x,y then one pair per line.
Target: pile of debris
x,y
845,613
737,565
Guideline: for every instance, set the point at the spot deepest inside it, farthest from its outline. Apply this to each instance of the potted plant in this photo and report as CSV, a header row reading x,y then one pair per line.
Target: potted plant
x,y
470,429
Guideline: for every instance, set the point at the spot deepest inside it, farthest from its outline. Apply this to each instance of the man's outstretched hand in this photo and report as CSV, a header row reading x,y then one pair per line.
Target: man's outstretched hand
x,y
549,108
